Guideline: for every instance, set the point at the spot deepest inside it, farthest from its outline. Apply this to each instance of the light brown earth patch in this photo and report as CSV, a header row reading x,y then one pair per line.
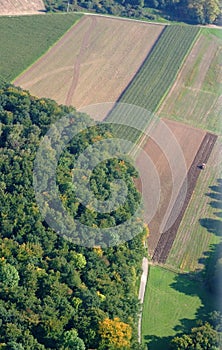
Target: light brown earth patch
x,y
172,158
93,62
21,7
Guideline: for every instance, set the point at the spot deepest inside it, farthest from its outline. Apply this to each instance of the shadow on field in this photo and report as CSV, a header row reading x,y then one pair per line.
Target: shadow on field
x,y
211,257
206,283
214,225
156,343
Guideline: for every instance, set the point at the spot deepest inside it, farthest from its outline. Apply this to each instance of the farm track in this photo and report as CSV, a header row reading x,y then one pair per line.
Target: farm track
x,y
52,50
92,63
167,238
77,64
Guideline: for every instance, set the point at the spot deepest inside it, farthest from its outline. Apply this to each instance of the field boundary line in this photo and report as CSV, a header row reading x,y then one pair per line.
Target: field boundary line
x,y
49,49
142,290
141,67
123,18
173,83
143,138
167,237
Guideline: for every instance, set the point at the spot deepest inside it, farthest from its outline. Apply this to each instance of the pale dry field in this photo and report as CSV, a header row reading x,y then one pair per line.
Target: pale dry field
x,y
21,7
93,63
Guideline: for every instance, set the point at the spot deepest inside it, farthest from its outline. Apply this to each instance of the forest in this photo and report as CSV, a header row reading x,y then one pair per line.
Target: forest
x,y
55,294
190,11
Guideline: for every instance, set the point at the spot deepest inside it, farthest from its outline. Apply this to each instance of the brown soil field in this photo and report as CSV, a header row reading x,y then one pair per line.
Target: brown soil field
x,y
172,148
21,7
195,97
93,62
192,246
168,236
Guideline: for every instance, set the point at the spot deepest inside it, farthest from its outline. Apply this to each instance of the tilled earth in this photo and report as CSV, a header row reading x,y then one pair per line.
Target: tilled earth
x,y
167,237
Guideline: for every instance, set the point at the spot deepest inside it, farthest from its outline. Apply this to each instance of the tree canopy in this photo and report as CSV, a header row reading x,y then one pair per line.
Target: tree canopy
x,y
194,11
55,294
203,337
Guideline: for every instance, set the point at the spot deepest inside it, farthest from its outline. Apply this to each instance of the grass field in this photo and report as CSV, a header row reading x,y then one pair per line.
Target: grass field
x,y
93,63
172,303
24,39
195,98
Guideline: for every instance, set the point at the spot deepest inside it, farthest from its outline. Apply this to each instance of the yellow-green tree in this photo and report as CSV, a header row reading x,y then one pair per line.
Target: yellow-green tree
x,y
115,334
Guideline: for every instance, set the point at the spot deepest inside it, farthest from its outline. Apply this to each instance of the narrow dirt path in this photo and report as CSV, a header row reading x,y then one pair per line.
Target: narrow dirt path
x,y
142,289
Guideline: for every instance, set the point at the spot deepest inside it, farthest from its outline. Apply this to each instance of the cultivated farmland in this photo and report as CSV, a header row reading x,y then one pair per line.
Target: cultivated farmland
x,y
197,233
93,63
153,80
170,231
21,7
168,149
195,98
24,39
158,72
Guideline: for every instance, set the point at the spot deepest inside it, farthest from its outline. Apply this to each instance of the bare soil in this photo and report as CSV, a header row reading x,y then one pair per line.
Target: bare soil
x,y
171,148
189,249
21,7
168,236
93,62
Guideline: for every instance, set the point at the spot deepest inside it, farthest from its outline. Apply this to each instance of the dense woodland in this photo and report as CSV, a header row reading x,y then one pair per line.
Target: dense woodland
x,y
191,11
205,336
55,294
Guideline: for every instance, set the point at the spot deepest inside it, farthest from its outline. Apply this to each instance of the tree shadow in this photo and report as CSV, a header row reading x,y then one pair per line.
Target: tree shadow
x,y
198,282
157,343
218,214
212,225
216,205
218,187
214,195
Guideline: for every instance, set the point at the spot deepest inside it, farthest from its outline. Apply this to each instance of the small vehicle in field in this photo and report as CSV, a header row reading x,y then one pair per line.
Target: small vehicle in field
x,y
203,166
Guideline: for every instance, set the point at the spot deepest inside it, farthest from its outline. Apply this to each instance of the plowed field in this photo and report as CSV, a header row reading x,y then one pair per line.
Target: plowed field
x,y
175,151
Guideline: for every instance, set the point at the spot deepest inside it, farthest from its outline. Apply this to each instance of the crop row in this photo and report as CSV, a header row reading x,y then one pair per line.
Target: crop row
x,y
155,77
